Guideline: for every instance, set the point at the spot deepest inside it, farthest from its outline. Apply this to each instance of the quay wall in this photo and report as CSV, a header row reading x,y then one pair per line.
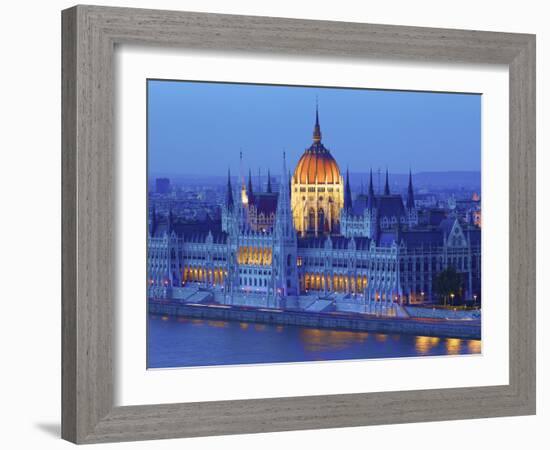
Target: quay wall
x,y
437,313
443,328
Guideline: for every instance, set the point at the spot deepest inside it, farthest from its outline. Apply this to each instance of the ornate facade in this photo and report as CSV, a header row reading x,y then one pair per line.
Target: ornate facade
x,y
286,244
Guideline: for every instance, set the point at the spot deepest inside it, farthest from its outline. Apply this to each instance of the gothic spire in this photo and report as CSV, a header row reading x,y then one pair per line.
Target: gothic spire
x,y
283,219
229,194
370,200
317,128
387,185
347,193
410,193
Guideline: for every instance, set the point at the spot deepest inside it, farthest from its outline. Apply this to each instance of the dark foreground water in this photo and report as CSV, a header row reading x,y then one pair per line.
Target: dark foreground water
x,y
180,341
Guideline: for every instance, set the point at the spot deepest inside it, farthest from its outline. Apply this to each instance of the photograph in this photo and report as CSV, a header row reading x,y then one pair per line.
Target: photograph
x,y
296,223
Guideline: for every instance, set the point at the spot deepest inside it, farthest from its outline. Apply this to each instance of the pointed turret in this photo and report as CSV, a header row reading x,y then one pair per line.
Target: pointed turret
x,y
317,128
347,193
284,215
284,243
410,193
269,189
387,185
370,199
229,194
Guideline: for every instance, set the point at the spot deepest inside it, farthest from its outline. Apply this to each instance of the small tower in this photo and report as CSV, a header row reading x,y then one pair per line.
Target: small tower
x,y
346,215
285,247
412,213
228,209
347,194
371,215
371,201
229,204
387,185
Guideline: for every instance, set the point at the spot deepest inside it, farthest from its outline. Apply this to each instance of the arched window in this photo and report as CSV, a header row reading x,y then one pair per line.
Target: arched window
x,y
311,220
321,217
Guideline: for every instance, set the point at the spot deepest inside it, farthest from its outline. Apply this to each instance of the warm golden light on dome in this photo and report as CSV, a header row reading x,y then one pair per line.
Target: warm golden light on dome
x,y
317,195
317,167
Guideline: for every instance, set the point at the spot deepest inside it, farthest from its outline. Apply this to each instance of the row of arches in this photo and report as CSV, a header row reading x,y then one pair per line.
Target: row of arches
x,y
259,256
199,275
333,283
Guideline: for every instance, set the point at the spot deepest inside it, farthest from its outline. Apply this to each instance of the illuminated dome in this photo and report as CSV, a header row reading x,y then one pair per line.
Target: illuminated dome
x,y
317,164
317,194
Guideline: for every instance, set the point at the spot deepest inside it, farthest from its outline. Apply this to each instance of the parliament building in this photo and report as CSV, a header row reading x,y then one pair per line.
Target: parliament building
x,y
306,239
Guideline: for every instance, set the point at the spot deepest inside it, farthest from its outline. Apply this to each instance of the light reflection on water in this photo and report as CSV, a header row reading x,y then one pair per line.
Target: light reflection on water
x,y
316,340
180,342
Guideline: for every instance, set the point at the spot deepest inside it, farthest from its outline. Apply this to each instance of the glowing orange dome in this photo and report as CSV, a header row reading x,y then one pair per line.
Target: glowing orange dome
x,y
317,164
317,194
317,167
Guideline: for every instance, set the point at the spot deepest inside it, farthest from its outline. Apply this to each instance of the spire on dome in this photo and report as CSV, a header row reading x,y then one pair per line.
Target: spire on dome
x,y
317,128
410,193
387,185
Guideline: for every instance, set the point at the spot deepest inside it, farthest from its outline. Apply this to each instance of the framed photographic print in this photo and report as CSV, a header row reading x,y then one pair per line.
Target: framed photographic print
x,y
278,224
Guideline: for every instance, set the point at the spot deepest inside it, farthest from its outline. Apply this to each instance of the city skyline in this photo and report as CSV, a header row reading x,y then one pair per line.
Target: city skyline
x,y
196,127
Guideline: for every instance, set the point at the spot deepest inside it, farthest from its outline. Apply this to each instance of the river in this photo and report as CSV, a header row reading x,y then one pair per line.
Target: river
x,y
185,342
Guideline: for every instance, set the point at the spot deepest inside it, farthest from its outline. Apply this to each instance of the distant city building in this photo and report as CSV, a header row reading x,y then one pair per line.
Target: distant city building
x,y
311,236
162,185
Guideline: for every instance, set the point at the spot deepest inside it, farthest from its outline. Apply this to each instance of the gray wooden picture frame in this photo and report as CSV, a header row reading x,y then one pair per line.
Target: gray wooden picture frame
x,y
90,34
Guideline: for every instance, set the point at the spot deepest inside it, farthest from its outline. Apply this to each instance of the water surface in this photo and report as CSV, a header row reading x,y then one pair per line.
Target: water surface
x,y
183,342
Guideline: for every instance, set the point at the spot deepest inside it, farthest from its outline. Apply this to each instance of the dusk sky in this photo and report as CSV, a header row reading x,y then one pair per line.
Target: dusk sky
x,y
200,128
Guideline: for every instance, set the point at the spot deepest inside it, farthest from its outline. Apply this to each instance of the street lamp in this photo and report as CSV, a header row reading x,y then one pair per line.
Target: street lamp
x,y
452,298
475,299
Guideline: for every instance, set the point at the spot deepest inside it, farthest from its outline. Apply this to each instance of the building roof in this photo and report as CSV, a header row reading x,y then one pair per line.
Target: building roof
x,y
421,238
389,206
265,202
338,242
360,204
218,237
446,225
387,238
